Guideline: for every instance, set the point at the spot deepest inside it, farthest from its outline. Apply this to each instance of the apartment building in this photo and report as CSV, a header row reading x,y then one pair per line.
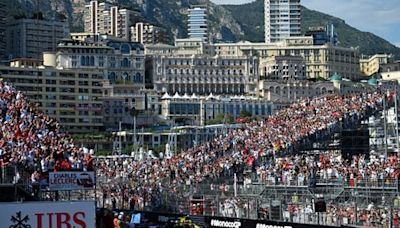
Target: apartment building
x,y
29,38
71,96
146,33
197,23
105,18
282,19
203,74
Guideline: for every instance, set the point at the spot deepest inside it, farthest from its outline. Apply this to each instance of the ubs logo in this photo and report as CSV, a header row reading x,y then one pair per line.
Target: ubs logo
x,y
20,221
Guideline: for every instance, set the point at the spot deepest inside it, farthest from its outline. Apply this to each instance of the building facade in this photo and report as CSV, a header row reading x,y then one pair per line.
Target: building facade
x,y
28,38
373,64
119,102
197,23
122,62
321,61
393,66
323,35
205,74
3,14
282,19
284,68
146,33
198,110
291,91
105,18
70,96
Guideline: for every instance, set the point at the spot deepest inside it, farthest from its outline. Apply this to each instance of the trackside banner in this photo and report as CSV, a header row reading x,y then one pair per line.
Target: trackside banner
x,y
220,222
71,180
48,215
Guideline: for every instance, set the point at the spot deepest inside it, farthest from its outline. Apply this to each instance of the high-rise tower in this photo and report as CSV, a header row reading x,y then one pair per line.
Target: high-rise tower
x,y
282,19
198,23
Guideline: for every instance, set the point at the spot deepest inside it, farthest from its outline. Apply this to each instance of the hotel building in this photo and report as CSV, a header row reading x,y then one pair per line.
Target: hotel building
x,y
203,74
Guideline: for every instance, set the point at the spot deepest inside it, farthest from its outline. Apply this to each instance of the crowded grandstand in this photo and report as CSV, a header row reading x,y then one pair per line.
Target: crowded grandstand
x,y
260,153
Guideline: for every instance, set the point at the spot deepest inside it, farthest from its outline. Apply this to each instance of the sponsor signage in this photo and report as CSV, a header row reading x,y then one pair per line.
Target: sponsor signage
x,y
48,215
223,222
71,180
227,224
249,223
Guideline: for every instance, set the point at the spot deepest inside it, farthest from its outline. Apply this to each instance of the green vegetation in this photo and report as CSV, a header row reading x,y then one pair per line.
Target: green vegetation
x,y
220,119
250,16
91,137
245,114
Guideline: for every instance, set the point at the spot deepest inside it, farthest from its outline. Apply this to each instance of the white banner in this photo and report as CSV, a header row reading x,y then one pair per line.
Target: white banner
x,y
71,180
48,215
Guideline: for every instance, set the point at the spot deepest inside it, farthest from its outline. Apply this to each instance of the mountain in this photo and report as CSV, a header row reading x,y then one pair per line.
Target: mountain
x,y
228,23
253,28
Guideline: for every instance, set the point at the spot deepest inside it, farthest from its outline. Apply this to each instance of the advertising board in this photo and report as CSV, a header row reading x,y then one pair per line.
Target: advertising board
x,y
222,222
80,214
71,180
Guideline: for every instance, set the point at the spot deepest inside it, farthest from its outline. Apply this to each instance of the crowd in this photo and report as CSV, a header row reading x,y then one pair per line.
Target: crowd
x,y
329,167
342,214
31,140
241,148
263,149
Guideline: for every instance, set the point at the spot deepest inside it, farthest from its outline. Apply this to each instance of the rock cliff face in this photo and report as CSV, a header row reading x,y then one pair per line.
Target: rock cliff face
x,y
228,23
170,14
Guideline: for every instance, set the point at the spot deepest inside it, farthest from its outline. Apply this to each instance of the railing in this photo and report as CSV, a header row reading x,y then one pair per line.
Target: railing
x,y
15,174
248,201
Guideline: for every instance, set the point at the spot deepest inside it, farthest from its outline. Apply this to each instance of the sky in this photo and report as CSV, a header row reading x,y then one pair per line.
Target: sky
x,y
381,17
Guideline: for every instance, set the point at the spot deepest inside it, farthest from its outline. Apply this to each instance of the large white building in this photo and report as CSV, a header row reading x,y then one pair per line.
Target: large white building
x,y
282,19
198,23
122,62
104,18
203,74
321,61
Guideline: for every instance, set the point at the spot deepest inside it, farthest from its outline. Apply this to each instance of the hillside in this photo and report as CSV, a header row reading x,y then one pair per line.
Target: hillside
x,y
228,23
253,27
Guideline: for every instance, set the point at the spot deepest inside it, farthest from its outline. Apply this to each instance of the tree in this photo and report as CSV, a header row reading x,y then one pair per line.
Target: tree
x,y
220,119
245,113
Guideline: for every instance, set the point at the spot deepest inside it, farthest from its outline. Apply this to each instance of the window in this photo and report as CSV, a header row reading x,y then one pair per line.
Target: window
x,y
125,63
